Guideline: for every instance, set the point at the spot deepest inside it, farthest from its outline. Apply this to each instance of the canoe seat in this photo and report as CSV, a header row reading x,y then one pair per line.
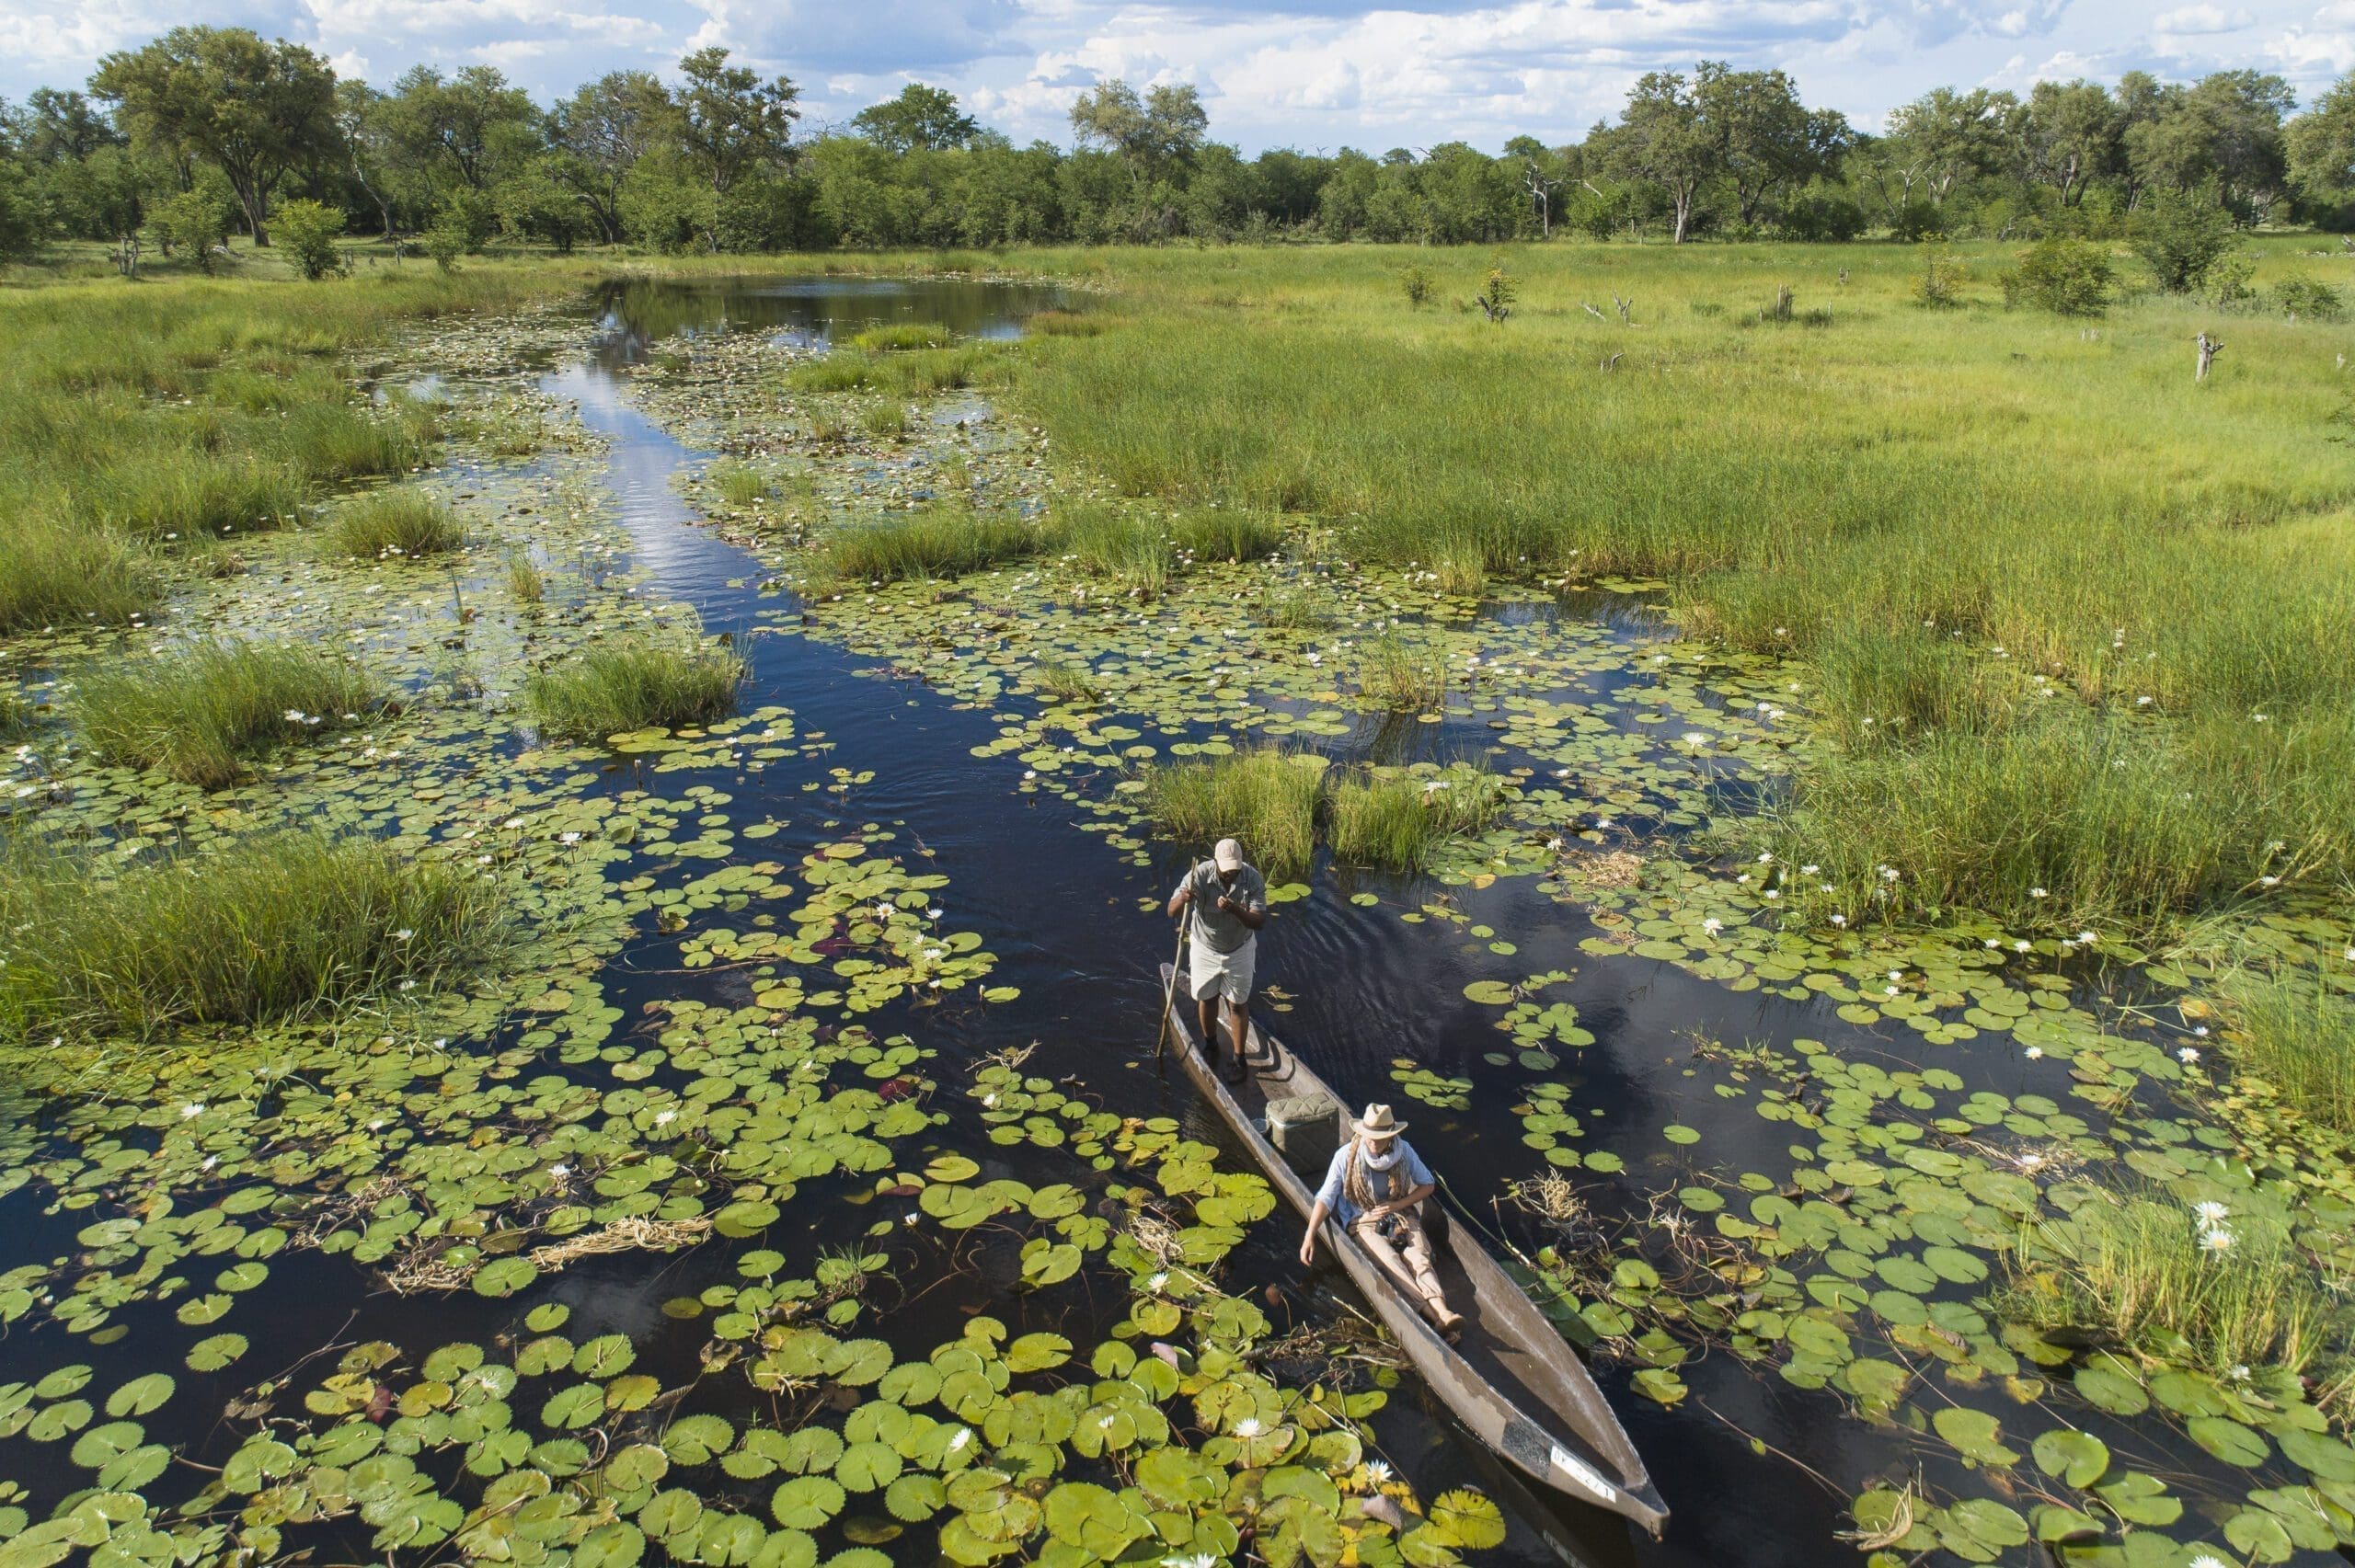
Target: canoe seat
x,y
1307,1129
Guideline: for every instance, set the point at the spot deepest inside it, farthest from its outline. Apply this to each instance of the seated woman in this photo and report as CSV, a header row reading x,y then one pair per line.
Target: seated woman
x,y
1375,1184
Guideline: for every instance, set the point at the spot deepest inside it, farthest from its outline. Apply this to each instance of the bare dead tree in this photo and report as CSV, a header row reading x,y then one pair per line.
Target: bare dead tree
x,y
1611,362
1541,195
1625,308
1591,310
2208,349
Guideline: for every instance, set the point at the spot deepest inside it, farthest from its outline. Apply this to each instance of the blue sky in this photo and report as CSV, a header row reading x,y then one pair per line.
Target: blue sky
x,y
1319,73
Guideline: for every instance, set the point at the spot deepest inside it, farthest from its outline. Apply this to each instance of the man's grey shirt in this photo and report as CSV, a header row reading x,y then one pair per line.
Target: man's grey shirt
x,y
1213,927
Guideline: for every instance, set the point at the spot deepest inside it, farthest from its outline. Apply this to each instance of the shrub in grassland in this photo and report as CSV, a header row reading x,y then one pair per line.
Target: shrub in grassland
x,y
393,525
249,932
200,713
632,684
1267,798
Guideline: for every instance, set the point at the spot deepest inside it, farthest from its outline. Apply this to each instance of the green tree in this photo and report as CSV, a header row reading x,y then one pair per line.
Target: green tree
x,y
2070,135
920,119
2184,235
362,119
1664,139
731,122
307,232
1944,138
602,132
1153,134
2321,147
256,110
1766,140
2223,132
473,125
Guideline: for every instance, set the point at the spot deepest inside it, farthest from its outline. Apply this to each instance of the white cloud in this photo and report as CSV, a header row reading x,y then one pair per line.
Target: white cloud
x,y
2201,20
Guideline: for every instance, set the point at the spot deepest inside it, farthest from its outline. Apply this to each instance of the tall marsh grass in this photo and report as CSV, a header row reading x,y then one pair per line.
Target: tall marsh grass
x,y
2294,1033
615,687
941,540
1218,535
1266,798
401,523
2137,1267
1398,820
252,933
1132,551
1395,675
203,713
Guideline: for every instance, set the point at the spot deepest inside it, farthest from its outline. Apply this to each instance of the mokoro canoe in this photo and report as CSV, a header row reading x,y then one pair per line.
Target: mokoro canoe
x,y
1510,1378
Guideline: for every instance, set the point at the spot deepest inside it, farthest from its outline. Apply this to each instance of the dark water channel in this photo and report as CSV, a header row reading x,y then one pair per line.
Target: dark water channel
x,y
1063,915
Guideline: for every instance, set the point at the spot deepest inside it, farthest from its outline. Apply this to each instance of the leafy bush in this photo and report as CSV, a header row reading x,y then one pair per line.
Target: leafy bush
x,y
2067,277
1417,282
2310,298
307,230
195,220
1942,275
444,242
2183,236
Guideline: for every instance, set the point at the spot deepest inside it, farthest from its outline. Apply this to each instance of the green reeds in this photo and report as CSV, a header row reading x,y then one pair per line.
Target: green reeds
x,y
199,713
1395,675
739,484
526,582
902,335
1266,798
54,573
403,522
616,687
1397,819
2294,1033
254,931
1130,550
1065,681
887,419
943,541
1227,535
2218,1289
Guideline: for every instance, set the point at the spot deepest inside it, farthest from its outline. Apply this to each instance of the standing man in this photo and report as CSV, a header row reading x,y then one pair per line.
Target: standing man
x,y
1229,900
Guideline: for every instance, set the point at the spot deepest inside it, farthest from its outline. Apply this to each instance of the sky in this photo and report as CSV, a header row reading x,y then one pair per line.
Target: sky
x,y
1311,75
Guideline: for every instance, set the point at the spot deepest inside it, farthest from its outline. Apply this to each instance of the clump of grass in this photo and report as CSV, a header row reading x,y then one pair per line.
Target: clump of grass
x,y
2221,1291
1065,324
901,335
1065,680
940,541
886,419
1295,608
51,574
525,584
255,932
1132,551
632,684
829,428
199,714
2292,1031
1402,679
1395,820
1220,534
336,441
402,522
833,372
159,490
1267,798
924,372
737,483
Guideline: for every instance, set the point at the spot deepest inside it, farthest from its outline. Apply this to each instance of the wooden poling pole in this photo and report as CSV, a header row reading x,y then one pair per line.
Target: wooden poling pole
x,y
1169,992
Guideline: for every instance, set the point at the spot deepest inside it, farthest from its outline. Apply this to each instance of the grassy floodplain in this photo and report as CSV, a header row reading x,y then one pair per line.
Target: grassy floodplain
x,y
2080,624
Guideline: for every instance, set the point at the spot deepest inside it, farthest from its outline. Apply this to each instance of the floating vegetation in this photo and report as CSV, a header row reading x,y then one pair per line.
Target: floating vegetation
x,y
200,714
619,687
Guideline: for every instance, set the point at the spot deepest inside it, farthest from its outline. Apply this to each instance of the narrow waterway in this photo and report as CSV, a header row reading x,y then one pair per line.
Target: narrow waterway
x,y
1064,918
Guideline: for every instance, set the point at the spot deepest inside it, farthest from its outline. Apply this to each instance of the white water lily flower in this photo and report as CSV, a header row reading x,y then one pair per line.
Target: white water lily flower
x,y
2210,1213
1993,942
2035,1053
1766,857
559,1171
2238,1374
1839,920
2036,893
665,1119
958,1439
1247,1427
294,716
1695,740
567,838
403,934
1808,870
2200,1030
2216,1240
2020,946
190,1111
2187,1055
1377,1471
1713,925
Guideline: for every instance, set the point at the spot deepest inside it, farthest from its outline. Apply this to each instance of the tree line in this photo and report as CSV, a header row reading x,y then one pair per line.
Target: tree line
x,y
207,131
